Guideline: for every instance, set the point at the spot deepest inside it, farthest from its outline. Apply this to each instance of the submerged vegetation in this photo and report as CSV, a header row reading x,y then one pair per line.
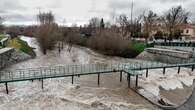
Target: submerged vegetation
x,y
108,43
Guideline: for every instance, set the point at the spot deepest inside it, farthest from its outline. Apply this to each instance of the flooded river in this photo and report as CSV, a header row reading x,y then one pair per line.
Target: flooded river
x,y
60,94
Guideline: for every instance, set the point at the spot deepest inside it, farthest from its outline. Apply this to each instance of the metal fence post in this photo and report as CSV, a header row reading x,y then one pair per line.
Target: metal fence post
x,y
42,83
98,79
178,70
164,70
6,86
136,84
192,67
146,72
121,75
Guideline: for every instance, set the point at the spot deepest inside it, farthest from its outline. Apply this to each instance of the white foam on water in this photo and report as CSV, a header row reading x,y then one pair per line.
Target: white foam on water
x,y
170,81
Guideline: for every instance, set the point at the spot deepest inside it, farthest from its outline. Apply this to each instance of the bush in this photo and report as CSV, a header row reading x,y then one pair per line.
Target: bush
x,y
107,43
138,47
112,44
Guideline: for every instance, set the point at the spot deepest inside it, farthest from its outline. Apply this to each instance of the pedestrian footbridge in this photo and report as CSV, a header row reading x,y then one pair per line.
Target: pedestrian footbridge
x,y
42,73
131,69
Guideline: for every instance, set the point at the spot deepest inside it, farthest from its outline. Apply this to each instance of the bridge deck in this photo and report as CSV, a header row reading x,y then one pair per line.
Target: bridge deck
x,y
75,70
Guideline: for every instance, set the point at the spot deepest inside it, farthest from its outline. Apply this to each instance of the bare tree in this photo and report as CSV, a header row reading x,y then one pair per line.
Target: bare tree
x,y
174,17
123,21
13,31
94,22
134,27
48,32
149,23
46,18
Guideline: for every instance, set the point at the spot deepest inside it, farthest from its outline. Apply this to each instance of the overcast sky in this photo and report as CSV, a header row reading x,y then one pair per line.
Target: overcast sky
x,y
80,11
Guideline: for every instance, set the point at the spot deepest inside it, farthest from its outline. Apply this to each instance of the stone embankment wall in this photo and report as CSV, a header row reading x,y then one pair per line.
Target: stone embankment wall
x,y
171,56
9,56
186,49
170,52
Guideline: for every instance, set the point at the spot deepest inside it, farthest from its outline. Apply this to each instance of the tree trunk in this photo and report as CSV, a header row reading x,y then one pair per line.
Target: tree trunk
x,y
44,51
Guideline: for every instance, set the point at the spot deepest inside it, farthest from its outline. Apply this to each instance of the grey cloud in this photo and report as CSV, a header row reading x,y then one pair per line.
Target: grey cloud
x,y
119,4
18,11
19,17
11,5
173,1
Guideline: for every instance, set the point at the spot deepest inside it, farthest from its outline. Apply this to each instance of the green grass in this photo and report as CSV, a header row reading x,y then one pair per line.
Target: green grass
x,y
139,47
20,44
2,37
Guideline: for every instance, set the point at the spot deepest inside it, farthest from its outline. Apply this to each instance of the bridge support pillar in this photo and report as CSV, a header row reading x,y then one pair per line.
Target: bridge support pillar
x,y
42,83
129,80
6,86
121,76
136,83
146,72
164,70
98,79
178,69
72,79
192,67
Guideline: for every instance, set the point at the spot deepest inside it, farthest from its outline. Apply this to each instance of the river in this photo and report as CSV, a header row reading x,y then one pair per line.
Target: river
x,y
60,94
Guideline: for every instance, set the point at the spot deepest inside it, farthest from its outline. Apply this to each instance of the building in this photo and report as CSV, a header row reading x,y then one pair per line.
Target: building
x,y
187,31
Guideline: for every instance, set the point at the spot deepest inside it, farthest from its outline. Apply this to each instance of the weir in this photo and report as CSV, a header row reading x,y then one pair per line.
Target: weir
x,y
43,73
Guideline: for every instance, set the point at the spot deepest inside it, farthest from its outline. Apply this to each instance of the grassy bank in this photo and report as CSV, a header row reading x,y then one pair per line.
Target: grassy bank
x,y
21,45
2,37
138,47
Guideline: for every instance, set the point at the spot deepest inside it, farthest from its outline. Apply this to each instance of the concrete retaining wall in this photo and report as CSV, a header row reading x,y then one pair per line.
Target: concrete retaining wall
x,y
5,55
165,56
186,49
170,52
9,56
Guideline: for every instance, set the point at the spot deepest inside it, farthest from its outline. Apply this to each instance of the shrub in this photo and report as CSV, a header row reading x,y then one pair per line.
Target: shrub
x,y
139,47
112,44
107,43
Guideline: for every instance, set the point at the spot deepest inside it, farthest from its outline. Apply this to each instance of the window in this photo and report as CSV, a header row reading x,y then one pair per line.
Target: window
x,y
187,31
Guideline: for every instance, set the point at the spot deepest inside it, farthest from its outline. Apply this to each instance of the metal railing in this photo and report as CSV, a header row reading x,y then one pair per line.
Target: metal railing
x,y
86,69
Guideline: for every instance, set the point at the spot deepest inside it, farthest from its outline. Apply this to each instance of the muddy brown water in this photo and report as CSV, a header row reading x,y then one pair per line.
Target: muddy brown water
x,y
60,94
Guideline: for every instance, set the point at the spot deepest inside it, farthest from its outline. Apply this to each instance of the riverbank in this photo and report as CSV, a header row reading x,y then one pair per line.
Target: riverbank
x,y
20,51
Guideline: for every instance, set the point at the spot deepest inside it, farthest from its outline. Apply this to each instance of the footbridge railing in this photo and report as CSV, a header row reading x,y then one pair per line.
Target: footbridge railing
x,y
132,69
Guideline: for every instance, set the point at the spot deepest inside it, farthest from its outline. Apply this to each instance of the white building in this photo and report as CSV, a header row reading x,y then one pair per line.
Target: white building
x,y
188,31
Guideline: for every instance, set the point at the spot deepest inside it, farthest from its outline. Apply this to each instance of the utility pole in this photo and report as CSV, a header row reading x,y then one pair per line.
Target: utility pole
x,y
132,6
39,12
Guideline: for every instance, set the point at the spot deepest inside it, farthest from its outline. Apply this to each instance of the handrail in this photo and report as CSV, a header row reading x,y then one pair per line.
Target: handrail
x,y
73,70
